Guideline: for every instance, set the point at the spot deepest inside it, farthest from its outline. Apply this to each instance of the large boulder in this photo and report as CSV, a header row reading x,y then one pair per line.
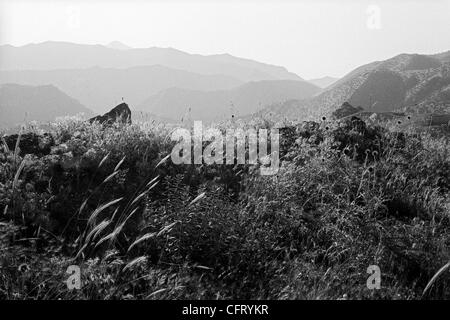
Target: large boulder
x,y
120,113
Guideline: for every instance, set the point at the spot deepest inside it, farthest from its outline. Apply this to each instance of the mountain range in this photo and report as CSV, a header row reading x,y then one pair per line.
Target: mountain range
x,y
165,83
101,76
54,55
246,99
19,104
100,88
411,82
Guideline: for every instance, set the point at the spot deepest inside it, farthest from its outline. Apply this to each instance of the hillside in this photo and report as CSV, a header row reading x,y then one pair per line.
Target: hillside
x,y
248,98
100,88
53,55
408,81
347,195
19,104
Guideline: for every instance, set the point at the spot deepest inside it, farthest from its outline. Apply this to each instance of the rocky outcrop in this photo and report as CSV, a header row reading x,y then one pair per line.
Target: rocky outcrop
x,y
120,113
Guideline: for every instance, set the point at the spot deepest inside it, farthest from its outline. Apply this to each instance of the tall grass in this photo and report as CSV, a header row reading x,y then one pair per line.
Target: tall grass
x,y
348,195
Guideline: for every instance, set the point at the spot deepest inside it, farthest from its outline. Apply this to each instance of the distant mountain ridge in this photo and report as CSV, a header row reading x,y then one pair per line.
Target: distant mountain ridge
x,y
213,105
323,82
19,104
100,88
165,83
54,55
118,45
407,81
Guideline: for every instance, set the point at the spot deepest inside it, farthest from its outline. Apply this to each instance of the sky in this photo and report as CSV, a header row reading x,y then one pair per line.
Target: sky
x,y
313,38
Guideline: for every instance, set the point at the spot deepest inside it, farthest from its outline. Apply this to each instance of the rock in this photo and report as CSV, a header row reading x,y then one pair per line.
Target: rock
x,y
121,113
345,110
31,143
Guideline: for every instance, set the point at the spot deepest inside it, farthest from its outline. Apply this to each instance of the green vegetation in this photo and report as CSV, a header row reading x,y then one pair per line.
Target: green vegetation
x,y
348,195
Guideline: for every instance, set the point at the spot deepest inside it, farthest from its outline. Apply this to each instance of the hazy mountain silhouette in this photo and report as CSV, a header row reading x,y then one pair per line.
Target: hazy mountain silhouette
x,y
100,88
407,81
248,98
324,81
54,55
19,104
118,45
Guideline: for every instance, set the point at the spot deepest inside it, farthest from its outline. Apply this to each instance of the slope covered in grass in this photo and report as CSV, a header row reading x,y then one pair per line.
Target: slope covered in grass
x,y
348,195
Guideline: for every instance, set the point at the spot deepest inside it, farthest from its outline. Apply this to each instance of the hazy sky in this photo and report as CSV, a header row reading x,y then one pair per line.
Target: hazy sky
x,y
310,38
